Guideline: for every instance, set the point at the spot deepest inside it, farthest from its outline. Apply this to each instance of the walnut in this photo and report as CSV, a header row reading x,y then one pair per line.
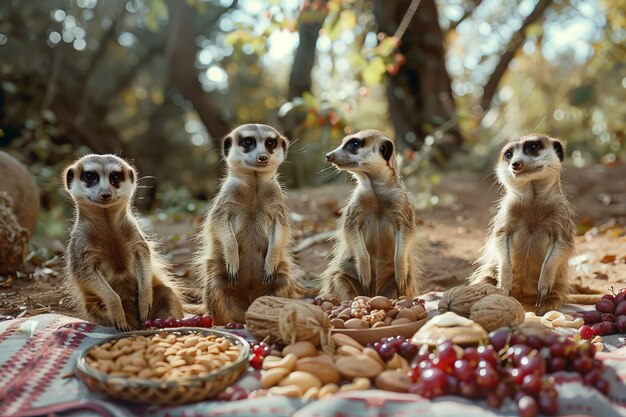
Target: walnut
x,y
461,299
359,308
375,316
495,311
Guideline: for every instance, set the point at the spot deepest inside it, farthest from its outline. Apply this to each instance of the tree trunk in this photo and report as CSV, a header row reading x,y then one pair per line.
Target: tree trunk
x,y
420,95
300,79
183,71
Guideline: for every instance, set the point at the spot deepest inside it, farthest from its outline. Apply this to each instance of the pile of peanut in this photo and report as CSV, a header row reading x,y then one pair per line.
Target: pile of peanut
x,y
364,312
164,356
301,370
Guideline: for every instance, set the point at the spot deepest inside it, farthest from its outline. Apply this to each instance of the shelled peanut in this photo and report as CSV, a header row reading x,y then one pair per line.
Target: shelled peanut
x,y
303,371
164,356
364,312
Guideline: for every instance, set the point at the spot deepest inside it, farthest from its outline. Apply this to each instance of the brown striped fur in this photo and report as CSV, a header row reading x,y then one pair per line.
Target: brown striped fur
x,y
245,241
531,238
377,248
113,275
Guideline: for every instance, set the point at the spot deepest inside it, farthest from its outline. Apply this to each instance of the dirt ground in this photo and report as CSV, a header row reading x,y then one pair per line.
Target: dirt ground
x,y
454,230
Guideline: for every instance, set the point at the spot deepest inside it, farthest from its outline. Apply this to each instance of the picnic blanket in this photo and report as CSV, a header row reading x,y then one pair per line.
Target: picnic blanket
x,y
37,357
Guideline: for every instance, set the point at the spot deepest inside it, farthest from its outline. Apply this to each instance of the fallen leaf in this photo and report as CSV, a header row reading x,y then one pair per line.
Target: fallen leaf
x,y
608,259
6,281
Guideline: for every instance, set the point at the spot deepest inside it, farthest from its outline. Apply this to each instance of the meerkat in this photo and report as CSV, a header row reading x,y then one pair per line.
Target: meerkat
x,y
246,237
531,238
377,248
113,273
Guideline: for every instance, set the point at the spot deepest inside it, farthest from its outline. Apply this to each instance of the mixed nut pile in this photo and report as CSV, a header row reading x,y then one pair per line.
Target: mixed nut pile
x,y
364,312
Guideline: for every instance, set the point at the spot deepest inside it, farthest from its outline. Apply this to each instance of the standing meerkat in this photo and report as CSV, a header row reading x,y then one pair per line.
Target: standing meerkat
x,y
377,249
113,272
531,238
246,237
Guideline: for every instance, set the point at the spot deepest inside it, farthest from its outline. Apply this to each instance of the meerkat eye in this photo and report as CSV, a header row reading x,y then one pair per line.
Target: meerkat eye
x,y
247,142
90,177
115,176
533,147
508,155
270,143
353,144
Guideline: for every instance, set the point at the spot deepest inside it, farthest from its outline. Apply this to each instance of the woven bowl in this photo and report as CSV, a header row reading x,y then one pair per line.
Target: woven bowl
x,y
365,336
173,392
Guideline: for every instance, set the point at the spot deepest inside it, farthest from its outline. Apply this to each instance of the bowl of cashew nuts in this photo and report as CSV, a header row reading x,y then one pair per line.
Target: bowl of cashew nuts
x,y
165,367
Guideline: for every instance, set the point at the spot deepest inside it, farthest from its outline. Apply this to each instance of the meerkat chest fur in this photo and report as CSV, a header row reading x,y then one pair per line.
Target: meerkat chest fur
x,y
110,237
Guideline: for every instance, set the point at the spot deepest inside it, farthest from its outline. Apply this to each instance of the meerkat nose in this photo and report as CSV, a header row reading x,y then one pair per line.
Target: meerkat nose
x,y
330,157
105,196
517,165
262,158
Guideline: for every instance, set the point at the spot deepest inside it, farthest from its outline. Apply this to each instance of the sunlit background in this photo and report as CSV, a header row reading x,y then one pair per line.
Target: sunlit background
x,y
162,81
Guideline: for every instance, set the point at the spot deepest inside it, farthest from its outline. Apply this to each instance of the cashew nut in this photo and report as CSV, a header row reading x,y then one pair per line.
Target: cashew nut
x,y
357,384
288,362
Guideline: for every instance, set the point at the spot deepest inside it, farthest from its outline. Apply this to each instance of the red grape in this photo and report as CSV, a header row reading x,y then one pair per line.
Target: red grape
x,y
583,364
557,364
469,389
233,325
206,321
487,353
608,317
619,297
621,323
586,332
471,355
487,377
534,341
605,306
408,350
599,329
503,390
516,352
453,385
592,376
527,406
609,297
463,370
436,380
256,361
499,338
592,316
157,323
170,322
610,327
532,384
386,351
148,324
548,403
493,400
620,309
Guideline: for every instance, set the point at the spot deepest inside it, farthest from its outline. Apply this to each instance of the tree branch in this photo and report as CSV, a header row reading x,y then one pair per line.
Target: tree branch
x,y
516,41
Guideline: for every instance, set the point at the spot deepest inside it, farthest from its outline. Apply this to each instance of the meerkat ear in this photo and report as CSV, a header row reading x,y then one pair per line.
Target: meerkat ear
x,y
68,177
285,144
386,149
131,175
227,143
558,148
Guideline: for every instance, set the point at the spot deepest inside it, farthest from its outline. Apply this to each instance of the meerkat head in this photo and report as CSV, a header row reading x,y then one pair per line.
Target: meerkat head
x,y
254,147
100,181
530,158
368,151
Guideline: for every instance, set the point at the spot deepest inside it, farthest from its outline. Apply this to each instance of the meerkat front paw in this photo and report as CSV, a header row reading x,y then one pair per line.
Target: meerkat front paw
x,y
145,307
232,268
365,275
121,324
543,292
506,280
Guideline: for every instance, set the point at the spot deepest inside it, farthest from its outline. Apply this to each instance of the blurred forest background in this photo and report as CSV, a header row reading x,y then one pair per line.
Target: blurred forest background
x,y
161,81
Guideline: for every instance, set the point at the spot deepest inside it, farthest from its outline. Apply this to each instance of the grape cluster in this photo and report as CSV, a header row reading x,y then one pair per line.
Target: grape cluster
x,y
513,366
609,317
259,352
234,325
389,346
171,322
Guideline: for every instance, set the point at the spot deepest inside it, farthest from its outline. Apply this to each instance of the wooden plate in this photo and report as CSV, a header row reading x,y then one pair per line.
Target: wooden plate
x,y
365,336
